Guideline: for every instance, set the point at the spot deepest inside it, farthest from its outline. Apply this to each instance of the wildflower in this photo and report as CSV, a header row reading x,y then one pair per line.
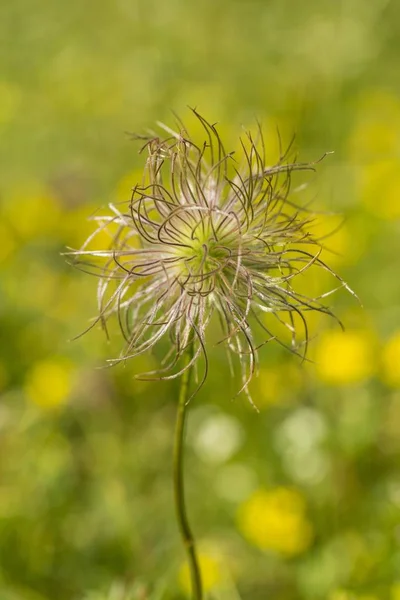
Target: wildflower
x,y
345,358
49,383
205,237
275,520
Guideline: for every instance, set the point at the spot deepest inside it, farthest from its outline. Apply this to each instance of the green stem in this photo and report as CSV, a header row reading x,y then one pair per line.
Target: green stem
x,y
179,490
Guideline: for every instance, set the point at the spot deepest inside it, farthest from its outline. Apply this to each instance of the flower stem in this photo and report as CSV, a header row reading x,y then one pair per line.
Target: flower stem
x,y
179,491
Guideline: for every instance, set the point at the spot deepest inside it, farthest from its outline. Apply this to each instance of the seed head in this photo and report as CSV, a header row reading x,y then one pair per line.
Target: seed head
x,y
203,237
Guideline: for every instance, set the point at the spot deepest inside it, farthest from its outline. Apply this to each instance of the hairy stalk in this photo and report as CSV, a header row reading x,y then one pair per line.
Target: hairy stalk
x,y
179,490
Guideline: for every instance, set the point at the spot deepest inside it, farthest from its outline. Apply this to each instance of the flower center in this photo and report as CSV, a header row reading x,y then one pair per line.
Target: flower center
x,y
205,247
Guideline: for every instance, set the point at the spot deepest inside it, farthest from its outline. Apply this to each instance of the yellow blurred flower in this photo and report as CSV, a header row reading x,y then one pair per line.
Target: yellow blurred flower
x,y
49,382
344,357
379,188
211,572
391,361
276,520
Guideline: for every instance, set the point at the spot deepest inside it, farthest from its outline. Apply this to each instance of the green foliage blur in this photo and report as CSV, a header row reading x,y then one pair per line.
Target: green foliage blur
x,y
300,501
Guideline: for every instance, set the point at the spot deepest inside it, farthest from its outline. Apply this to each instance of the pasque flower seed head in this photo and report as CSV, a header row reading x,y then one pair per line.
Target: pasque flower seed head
x,y
204,236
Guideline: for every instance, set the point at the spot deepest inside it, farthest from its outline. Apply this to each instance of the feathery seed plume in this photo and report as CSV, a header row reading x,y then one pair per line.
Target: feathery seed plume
x,y
205,237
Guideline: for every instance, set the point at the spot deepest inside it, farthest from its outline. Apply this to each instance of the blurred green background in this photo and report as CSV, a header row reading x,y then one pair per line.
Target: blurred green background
x,y
301,501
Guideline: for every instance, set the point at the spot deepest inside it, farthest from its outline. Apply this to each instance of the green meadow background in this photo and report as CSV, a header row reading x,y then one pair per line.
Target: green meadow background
x,y
300,501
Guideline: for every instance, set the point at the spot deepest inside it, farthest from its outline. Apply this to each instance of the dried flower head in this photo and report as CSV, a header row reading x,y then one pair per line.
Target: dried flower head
x,y
203,236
